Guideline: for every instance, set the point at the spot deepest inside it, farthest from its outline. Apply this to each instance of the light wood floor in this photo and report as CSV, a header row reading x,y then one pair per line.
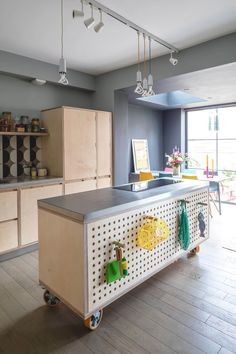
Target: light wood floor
x,y
188,308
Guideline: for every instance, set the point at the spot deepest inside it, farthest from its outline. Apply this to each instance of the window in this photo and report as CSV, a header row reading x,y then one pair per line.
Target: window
x,y
213,132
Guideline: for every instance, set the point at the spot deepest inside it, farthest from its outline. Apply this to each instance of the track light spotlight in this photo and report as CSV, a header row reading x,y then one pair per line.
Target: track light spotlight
x,y
100,24
90,21
79,13
172,60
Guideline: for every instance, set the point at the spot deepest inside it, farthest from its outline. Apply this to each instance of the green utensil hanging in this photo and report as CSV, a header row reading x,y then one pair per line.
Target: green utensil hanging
x,y
183,234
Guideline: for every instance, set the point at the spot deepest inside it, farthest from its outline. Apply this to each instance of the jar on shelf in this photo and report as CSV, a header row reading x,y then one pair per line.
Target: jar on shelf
x,y
6,121
24,120
35,125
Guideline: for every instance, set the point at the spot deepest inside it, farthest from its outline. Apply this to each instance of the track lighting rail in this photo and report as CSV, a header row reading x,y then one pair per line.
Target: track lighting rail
x,y
131,24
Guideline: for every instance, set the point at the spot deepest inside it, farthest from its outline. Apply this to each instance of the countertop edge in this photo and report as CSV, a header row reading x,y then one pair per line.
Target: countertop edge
x,y
104,213
26,184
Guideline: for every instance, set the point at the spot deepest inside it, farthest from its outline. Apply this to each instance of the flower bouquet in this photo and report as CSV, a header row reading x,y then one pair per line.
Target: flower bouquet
x,y
176,159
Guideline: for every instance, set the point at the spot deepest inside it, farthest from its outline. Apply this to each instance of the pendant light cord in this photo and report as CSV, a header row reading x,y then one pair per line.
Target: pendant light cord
x,y
62,31
150,56
138,50
145,64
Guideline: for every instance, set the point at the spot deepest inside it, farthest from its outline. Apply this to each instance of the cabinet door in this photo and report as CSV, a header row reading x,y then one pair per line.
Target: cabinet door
x,y
8,205
8,235
29,210
52,146
81,186
104,143
79,144
104,182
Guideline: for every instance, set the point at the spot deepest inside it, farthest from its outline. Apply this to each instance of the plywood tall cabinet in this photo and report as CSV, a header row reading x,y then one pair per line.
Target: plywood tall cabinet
x,y
79,147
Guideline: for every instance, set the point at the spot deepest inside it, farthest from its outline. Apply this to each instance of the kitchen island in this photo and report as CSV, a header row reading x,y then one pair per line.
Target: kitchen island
x,y
81,234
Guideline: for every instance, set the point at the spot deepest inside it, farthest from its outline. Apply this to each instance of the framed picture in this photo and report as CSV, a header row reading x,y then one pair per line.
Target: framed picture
x,y
140,155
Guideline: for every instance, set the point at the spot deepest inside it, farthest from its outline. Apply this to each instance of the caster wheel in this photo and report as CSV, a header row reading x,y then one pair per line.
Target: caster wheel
x,y
50,299
94,321
195,250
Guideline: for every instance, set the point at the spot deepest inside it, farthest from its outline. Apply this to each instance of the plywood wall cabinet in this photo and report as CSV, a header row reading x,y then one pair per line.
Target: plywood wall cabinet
x,y
29,210
8,205
80,143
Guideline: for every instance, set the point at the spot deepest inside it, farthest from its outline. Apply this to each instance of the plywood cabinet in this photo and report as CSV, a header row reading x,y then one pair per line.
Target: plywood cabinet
x,y
104,182
8,205
80,143
81,186
104,143
29,210
8,235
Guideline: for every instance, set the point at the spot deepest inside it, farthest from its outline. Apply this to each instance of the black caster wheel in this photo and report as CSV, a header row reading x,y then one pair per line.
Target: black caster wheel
x,y
50,299
94,321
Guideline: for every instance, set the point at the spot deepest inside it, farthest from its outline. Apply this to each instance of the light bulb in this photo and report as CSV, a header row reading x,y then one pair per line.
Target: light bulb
x,y
139,88
63,79
62,72
150,91
145,87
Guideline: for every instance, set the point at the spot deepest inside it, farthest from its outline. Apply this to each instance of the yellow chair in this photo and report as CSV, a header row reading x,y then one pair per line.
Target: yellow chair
x,y
145,175
189,177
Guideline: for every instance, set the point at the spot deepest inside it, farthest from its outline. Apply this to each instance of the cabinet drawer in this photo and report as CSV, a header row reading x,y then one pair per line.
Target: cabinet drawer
x,y
8,202
81,186
8,235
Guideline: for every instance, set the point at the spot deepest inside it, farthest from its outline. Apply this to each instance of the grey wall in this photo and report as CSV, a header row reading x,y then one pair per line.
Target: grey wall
x,y
22,97
146,123
173,130
31,68
120,139
134,122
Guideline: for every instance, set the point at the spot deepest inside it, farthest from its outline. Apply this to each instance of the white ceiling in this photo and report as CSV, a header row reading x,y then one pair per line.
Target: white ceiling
x,y
32,28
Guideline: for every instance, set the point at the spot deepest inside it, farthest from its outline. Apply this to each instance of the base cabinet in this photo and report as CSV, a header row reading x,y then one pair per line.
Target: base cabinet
x,y
29,210
8,235
8,205
80,186
104,182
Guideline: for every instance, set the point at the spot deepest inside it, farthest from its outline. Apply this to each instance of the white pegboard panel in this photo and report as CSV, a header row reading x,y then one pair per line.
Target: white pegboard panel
x,y
125,227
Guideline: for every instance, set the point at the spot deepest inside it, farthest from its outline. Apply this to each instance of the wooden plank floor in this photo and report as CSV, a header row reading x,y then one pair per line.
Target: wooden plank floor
x,y
188,308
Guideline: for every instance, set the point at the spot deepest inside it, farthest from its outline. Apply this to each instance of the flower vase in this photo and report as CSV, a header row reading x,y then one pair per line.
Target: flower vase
x,y
176,170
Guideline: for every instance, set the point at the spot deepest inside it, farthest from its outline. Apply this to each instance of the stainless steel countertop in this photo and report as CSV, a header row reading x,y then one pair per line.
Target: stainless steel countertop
x,y
101,203
23,182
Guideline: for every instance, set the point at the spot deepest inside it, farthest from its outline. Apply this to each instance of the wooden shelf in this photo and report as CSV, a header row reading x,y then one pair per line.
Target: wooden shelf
x,y
24,133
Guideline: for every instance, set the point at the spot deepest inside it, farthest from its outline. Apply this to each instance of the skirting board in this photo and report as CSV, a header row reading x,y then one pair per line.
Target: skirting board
x,y
18,252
